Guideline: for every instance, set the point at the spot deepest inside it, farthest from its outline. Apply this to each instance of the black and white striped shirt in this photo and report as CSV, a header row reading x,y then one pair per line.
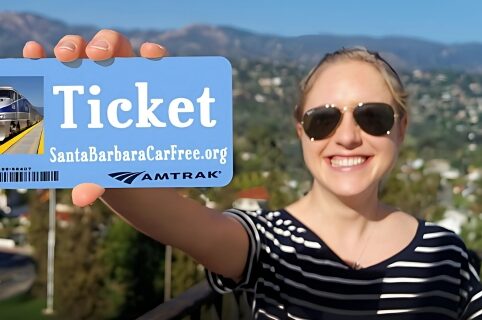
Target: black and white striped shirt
x,y
294,275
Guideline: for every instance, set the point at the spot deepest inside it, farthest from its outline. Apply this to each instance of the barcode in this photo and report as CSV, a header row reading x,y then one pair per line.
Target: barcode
x,y
26,176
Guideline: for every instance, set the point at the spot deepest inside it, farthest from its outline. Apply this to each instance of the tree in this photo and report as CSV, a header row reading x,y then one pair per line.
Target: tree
x,y
136,270
80,274
186,272
103,267
37,237
413,191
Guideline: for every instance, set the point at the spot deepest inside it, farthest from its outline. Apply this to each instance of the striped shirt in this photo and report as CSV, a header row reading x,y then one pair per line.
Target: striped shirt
x,y
294,275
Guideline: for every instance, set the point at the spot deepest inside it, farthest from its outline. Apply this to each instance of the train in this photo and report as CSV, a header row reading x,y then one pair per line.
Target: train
x,y
16,113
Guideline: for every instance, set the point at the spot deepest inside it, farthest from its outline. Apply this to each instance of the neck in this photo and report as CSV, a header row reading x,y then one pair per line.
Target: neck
x,y
342,214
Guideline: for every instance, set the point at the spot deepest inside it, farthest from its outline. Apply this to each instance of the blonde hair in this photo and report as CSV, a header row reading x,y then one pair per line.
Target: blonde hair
x,y
391,77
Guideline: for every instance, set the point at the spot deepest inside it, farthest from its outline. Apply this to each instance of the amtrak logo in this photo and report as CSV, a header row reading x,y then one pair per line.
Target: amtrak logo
x,y
129,177
126,177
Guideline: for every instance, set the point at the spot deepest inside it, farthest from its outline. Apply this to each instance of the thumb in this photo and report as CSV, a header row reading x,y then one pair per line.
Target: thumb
x,y
86,193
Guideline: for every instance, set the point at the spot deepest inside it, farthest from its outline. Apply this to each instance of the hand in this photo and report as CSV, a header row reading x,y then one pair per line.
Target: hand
x,y
104,45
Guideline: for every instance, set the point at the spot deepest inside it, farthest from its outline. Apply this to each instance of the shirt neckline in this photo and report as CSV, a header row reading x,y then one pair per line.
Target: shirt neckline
x,y
410,247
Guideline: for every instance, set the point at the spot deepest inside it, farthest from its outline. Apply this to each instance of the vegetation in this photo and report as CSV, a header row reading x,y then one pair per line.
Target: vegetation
x,y
23,307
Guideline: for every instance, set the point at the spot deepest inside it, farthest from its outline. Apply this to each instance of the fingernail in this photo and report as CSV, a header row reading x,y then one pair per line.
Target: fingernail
x,y
68,45
160,47
100,44
157,45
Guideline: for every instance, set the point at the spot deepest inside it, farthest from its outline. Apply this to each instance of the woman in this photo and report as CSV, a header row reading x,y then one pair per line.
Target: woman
x,y
336,253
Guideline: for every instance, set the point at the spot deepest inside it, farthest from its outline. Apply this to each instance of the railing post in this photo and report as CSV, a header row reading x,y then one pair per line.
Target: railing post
x,y
167,273
51,253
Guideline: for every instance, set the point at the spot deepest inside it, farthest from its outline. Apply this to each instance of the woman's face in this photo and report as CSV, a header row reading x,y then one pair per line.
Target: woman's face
x,y
350,162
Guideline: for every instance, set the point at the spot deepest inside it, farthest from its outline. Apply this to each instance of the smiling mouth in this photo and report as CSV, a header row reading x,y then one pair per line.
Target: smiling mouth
x,y
338,162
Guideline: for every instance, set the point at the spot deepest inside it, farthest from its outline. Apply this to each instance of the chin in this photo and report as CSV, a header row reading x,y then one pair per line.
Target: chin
x,y
348,192
351,189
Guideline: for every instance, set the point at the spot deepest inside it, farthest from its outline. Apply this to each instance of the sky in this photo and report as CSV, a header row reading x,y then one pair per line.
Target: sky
x,y
443,21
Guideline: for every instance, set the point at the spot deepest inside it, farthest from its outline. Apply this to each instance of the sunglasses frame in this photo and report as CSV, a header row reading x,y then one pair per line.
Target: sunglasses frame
x,y
342,112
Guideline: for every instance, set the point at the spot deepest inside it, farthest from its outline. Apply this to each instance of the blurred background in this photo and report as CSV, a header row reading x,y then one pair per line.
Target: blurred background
x,y
104,269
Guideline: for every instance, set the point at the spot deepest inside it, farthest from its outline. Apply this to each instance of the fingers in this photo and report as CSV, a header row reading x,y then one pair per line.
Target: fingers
x,y
86,193
107,44
152,50
70,48
33,50
104,45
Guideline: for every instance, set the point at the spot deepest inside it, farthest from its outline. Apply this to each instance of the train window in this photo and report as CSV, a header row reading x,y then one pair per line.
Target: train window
x,y
6,94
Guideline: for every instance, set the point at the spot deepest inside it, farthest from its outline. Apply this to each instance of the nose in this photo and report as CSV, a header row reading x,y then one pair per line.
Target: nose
x,y
347,133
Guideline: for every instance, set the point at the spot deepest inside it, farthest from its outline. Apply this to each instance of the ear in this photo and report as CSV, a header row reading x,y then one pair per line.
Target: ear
x,y
402,128
299,130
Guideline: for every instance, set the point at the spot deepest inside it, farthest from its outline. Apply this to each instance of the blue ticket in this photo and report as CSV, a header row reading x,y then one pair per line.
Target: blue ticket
x,y
124,122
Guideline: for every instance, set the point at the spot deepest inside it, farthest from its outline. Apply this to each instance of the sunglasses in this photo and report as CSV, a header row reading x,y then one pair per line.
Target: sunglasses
x,y
375,118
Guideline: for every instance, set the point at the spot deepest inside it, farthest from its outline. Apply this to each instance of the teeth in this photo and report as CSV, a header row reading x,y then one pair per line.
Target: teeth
x,y
347,161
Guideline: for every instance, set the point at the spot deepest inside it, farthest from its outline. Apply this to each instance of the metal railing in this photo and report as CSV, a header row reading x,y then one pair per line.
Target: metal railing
x,y
201,302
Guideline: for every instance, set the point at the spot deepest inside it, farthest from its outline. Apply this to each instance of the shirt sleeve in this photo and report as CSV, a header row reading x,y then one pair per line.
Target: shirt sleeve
x,y
224,285
471,291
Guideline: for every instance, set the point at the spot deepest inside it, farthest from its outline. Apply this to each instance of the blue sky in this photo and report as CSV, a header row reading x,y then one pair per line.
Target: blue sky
x,y
439,20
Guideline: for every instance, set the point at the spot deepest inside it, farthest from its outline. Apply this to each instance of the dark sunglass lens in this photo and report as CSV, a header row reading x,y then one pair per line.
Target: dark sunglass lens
x,y
374,118
319,123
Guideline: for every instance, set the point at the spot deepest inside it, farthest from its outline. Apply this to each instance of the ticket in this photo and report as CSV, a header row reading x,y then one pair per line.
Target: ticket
x,y
124,122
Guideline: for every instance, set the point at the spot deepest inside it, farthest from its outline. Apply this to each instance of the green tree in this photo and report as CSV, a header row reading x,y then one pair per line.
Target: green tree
x,y
136,270
37,237
102,269
186,272
472,230
412,190
80,274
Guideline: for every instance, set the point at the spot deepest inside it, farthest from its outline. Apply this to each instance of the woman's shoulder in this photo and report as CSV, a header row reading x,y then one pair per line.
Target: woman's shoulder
x,y
429,240
436,238
278,222
439,233
426,230
264,216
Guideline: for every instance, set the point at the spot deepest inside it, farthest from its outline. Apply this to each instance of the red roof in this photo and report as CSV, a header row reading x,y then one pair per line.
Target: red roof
x,y
254,193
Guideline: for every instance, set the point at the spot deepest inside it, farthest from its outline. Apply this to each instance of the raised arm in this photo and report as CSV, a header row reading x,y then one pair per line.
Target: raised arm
x,y
218,242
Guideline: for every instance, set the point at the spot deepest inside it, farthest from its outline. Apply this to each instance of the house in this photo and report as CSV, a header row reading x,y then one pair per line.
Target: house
x,y
252,199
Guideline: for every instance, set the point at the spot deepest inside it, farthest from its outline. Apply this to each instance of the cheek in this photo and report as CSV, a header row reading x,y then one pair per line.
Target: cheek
x,y
389,150
312,150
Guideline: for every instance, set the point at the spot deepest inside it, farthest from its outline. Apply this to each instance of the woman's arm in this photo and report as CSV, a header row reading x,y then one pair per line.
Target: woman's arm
x,y
218,242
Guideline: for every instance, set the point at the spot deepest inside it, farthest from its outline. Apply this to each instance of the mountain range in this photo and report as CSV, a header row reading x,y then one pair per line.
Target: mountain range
x,y
404,52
